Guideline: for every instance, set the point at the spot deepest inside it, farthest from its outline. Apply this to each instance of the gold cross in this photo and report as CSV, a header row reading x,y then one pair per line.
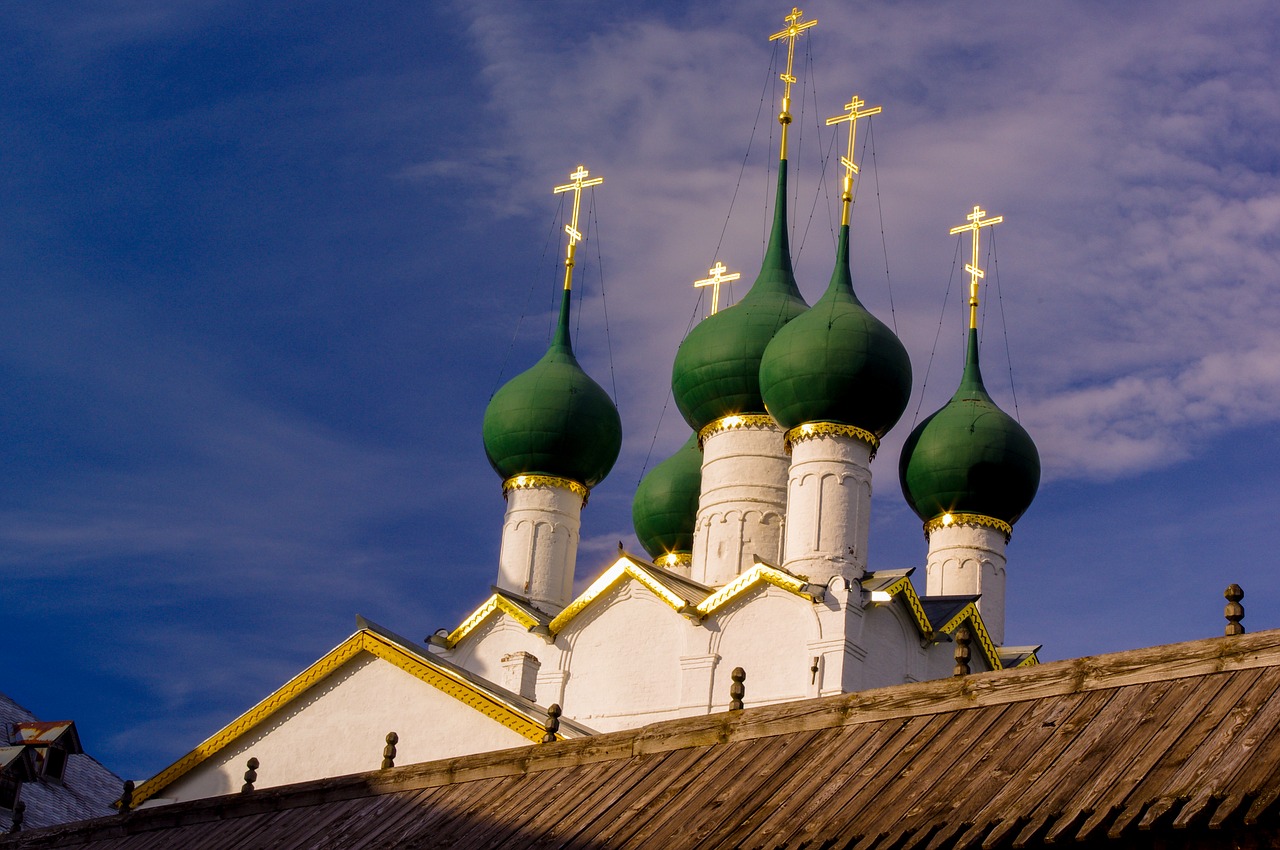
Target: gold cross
x,y
793,30
854,111
575,236
977,220
718,277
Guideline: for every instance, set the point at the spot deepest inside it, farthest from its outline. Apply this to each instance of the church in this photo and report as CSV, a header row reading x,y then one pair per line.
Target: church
x,y
755,577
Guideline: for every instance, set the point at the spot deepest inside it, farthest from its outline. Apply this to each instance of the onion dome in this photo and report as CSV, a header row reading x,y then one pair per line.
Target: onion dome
x,y
717,369
970,457
553,419
837,362
665,507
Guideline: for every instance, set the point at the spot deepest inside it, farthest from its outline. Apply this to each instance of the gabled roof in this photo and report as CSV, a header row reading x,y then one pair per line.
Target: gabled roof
x,y
85,790
685,596
1173,746
37,733
499,704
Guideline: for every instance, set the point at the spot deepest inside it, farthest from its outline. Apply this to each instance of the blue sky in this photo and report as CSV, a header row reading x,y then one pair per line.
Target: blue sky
x,y
262,265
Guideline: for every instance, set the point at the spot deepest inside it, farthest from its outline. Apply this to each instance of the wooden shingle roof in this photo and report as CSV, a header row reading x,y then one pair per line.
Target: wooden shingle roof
x,y
1173,746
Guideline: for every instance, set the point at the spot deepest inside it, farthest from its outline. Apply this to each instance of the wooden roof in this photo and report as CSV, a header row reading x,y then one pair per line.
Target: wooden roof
x,y
1174,746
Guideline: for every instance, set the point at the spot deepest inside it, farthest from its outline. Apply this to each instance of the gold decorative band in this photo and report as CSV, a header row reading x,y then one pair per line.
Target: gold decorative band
x,y
528,482
736,421
811,430
674,560
948,520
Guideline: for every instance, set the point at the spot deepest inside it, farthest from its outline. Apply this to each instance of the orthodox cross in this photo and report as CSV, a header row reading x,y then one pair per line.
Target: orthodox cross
x,y
853,113
718,277
977,220
579,183
793,30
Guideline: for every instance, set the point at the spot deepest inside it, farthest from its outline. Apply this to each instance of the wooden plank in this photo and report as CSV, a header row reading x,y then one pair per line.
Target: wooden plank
x,y
928,773
661,777
1001,764
844,752
752,787
1185,700
1196,728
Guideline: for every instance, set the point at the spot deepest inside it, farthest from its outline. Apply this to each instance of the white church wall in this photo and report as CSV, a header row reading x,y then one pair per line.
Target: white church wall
x,y
339,726
482,652
892,650
623,660
767,632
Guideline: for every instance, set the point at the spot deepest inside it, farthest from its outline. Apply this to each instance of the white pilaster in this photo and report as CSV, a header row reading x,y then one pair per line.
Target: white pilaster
x,y
828,506
540,539
743,497
967,558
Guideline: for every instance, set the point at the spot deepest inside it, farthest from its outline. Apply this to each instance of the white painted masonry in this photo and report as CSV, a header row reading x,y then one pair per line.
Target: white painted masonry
x,y
828,516
969,559
742,502
540,543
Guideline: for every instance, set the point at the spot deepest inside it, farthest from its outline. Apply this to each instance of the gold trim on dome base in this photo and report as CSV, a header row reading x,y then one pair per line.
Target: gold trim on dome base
x,y
674,560
736,422
528,482
813,430
948,520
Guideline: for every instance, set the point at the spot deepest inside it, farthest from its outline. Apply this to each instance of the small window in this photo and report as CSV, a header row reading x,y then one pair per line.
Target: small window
x,y
55,762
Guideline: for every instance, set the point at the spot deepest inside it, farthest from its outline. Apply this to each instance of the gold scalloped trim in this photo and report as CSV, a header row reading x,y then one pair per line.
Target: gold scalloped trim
x,y
736,422
361,641
528,482
813,430
947,520
1030,661
759,574
674,560
491,605
907,590
621,568
970,612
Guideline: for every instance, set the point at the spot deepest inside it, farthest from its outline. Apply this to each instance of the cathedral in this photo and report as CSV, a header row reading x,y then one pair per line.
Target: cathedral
x,y
755,575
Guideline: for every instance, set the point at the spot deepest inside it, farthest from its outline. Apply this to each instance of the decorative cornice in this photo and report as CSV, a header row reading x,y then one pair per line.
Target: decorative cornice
x,y
970,612
904,588
949,519
674,560
623,567
760,573
529,482
493,604
736,422
813,430
362,641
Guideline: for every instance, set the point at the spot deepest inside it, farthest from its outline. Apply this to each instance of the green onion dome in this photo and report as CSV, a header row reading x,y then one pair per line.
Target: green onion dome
x,y
717,369
665,507
837,362
970,457
553,419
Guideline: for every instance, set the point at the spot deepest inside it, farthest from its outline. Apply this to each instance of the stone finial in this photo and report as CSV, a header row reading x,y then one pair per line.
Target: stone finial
x,y
737,690
250,775
389,751
126,797
552,726
1234,610
963,638
19,814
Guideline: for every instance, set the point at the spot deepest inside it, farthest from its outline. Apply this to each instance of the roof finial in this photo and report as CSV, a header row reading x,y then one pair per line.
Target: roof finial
x,y
1234,610
963,637
718,277
793,30
126,797
389,751
854,111
552,724
579,183
250,775
976,221
738,689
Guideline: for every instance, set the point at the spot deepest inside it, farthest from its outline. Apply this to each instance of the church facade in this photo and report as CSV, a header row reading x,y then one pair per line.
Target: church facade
x,y
755,535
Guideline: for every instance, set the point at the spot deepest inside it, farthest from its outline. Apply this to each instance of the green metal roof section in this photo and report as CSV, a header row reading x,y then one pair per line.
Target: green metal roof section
x,y
553,419
717,369
837,362
970,456
665,508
